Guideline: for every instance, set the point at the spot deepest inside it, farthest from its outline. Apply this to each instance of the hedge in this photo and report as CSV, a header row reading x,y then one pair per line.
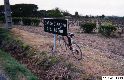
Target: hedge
x,y
26,21
16,21
30,22
35,22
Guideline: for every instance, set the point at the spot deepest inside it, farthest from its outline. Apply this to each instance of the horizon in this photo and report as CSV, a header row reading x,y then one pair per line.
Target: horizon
x,y
94,7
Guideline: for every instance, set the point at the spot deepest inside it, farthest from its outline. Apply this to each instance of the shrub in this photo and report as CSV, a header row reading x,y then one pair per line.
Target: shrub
x,y
2,19
107,30
88,27
16,21
35,22
48,62
30,22
26,21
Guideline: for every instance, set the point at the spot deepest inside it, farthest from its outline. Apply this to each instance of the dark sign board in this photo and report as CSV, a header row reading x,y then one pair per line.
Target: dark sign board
x,y
56,26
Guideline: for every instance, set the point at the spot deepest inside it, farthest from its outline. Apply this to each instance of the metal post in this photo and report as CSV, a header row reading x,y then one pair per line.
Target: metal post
x,y
54,48
8,17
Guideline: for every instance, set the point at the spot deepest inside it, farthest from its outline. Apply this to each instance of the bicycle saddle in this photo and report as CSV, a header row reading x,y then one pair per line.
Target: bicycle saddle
x,y
71,34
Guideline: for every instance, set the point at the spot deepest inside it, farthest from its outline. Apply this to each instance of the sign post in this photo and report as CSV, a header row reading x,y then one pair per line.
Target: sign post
x,y
55,26
54,48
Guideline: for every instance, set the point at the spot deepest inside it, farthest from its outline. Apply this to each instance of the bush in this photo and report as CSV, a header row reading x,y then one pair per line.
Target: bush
x,y
26,21
88,27
16,21
30,22
2,19
107,30
48,62
35,22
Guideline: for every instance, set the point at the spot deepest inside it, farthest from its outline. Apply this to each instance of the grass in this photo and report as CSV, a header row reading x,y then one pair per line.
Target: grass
x,y
17,71
14,69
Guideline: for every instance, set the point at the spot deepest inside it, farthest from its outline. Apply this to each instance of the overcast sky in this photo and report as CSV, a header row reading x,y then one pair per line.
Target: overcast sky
x,y
89,7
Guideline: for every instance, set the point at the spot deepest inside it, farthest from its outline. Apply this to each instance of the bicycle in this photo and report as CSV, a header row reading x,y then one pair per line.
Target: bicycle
x,y
70,44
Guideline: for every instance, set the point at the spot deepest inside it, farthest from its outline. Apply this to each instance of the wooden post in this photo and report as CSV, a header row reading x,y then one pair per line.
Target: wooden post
x,y
7,13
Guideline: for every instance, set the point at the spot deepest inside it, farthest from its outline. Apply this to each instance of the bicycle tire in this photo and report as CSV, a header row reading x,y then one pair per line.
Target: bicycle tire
x,y
76,51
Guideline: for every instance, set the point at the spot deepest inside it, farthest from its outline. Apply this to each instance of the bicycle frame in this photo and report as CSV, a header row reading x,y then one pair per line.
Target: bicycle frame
x,y
70,44
70,41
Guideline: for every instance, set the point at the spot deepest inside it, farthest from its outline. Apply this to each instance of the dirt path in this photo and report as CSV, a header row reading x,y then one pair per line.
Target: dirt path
x,y
98,60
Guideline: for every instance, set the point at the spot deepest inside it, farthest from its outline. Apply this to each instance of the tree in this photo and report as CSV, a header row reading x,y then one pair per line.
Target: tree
x,y
86,16
24,10
54,13
31,10
1,10
66,13
41,13
2,17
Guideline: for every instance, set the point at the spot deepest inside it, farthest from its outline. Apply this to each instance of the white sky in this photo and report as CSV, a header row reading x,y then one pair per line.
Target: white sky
x,y
89,7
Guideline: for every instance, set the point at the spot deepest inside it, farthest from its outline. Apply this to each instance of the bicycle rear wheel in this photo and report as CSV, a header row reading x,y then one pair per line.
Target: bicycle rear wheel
x,y
76,51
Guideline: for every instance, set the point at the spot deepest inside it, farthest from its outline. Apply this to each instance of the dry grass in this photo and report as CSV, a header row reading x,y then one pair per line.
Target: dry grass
x,y
38,42
95,62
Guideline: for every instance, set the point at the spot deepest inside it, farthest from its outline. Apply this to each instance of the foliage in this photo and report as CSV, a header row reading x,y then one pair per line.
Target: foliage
x,y
35,22
13,68
65,13
107,29
2,19
26,21
48,62
23,10
30,21
1,10
41,13
16,21
20,10
54,13
88,27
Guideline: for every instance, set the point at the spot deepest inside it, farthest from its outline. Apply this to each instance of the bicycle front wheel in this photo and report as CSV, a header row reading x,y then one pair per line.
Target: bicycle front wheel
x,y
76,51
63,44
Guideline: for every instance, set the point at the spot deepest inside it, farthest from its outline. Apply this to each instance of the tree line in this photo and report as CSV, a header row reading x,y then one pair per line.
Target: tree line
x,y
31,10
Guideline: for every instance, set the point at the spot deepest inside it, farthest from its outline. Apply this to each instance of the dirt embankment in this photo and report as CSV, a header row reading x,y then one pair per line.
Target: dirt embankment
x,y
102,56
